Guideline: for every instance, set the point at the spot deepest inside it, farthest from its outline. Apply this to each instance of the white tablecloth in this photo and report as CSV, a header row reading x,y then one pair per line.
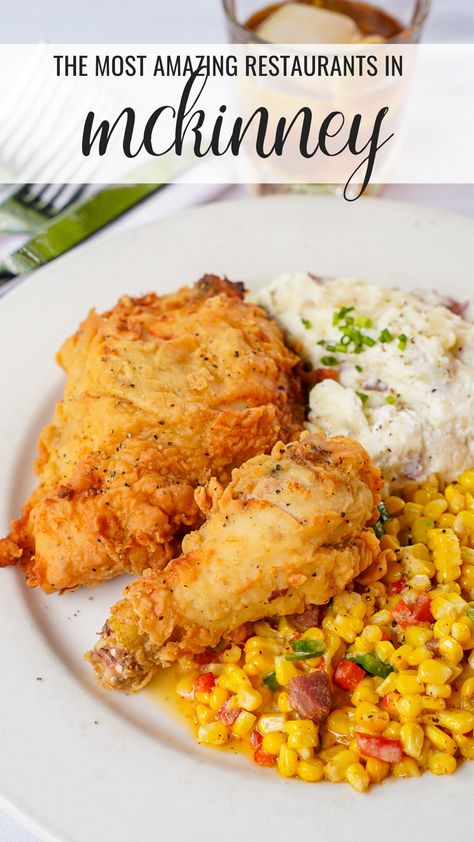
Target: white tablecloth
x,y
451,21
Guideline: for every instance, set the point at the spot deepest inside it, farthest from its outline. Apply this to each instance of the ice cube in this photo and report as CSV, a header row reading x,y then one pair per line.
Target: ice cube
x,y
299,23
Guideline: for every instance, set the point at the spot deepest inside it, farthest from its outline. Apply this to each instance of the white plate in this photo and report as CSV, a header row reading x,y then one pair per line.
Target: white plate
x,y
78,764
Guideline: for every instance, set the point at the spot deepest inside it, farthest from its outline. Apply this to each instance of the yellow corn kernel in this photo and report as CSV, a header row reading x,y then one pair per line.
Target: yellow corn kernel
x,y
464,525
392,527
248,698
243,724
418,655
213,734
440,739
283,702
350,602
336,768
406,768
202,697
258,644
372,632
467,693
432,703
185,685
461,632
384,649
310,770
203,714
440,763
411,512
435,508
358,777
263,629
365,692
409,707
455,498
408,683
232,655
446,521
434,672
446,554
399,658
451,649
302,733
438,691
273,742
392,731
269,722
420,583
285,629
371,717
442,627
457,721
388,685
305,753
285,671
466,480
328,753
417,635
362,645
465,745
420,528
314,634
233,678
347,627
394,505
412,736
217,697
377,769
287,761
341,722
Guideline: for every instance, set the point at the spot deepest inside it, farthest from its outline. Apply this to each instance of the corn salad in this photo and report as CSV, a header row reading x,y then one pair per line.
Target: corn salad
x,y
381,682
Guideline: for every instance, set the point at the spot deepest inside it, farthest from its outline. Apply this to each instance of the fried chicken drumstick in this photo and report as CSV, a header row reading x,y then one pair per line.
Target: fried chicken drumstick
x,y
288,531
162,394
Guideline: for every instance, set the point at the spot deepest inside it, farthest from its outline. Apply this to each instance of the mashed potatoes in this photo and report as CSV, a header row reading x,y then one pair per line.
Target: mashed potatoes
x,y
402,371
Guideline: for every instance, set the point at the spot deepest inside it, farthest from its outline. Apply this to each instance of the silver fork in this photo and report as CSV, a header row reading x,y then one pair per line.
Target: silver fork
x,y
54,184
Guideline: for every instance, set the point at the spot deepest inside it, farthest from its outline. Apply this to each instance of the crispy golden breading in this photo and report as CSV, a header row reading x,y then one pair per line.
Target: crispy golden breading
x,y
288,531
161,394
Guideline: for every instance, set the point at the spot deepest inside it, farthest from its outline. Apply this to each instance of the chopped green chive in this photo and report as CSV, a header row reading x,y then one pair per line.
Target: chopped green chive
x,y
306,323
364,398
363,321
329,360
359,368
469,612
386,336
321,342
367,340
390,399
378,528
305,648
402,341
384,515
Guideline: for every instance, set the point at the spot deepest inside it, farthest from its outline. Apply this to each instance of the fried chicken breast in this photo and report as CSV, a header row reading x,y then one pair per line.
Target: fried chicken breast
x,y
162,393
288,531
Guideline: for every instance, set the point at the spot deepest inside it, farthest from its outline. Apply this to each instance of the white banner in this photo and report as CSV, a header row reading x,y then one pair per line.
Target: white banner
x,y
316,114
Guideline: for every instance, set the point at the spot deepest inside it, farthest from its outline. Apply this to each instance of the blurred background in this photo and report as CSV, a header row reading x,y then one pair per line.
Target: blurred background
x,y
152,21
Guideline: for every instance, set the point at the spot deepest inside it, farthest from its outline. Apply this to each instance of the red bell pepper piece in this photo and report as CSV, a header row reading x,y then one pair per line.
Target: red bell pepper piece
x,y
348,675
381,748
256,738
227,713
263,758
412,613
204,682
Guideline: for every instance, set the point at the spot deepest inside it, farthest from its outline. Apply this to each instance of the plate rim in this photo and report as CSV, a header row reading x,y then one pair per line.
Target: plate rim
x,y
39,826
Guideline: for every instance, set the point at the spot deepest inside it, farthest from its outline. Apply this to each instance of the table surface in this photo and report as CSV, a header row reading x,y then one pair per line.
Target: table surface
x,y
194,21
